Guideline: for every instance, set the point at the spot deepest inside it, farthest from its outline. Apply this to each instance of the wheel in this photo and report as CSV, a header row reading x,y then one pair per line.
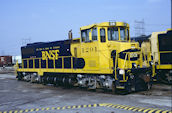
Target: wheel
x,y
113,88
165,77
19,76
149,86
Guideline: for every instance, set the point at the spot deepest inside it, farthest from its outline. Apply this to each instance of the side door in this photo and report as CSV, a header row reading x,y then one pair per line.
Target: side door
x,y
104,55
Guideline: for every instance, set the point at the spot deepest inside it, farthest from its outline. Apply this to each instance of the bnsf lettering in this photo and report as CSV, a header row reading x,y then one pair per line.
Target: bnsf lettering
x,y
51,54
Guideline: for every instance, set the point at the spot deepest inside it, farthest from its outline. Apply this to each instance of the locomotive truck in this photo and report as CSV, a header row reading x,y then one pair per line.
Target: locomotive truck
x,y
103,57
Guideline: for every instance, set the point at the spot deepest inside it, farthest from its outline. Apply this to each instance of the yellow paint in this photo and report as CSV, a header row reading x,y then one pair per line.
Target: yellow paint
x,y
85,106
120,87
37,109
132,108
95,105
21,111
64,107
73,107
135,109
31,110
155,52
147,110
151,111
53,108
43,109
47,108
118,106
79,106
69,107
114,106
26,110
168,66
122,107
89,105
51,54
96,54
126,107
141,109
166,111
58,108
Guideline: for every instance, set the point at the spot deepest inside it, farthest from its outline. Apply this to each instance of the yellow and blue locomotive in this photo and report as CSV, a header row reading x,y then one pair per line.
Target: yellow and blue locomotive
x,y
103,57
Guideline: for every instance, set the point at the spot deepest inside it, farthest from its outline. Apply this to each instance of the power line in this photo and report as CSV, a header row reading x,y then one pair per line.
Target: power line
x,y
157,25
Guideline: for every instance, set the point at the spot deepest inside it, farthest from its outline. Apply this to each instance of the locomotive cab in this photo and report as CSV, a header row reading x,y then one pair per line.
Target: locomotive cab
x,y
107,48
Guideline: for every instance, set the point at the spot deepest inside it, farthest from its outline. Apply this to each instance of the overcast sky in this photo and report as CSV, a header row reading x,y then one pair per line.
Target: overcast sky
x,y
50,20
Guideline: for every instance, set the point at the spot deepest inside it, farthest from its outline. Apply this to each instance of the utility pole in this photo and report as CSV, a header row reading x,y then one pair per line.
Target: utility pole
x,y
139,28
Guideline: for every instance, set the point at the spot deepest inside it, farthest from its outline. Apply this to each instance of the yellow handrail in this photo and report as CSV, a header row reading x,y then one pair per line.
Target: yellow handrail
x,y
124,79
116,59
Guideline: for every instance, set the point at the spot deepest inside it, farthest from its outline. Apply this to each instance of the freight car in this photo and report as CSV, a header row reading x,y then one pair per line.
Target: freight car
x,y
5,61
157,49
103,57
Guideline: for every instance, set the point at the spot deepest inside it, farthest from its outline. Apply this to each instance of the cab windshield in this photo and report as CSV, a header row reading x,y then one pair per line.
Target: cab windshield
x,y
113,34
122,34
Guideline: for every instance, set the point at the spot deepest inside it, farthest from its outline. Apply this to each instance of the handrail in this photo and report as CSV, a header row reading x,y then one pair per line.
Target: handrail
x,y
148,59
46,60
127,54
125,60
164,52
116,59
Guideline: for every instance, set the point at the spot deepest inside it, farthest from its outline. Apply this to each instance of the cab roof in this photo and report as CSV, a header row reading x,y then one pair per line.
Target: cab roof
x,y
105,24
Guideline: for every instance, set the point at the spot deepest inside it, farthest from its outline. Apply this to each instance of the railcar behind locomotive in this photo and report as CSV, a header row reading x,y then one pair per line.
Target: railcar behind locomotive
x,y
157,49
103,57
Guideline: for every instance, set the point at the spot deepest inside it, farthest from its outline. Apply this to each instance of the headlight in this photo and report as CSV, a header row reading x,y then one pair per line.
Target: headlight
x,y
134,65
121,71
112,23
170,71
133,47
79,76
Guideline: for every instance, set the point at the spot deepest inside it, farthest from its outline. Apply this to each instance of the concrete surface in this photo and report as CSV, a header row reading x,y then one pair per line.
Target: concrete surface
x,y
20,95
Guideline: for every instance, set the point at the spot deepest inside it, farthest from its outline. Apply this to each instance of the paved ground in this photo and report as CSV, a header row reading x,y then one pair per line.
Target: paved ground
x,y
18,96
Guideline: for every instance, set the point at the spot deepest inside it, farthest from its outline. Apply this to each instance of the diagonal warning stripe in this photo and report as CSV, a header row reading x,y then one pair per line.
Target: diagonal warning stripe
x,y
108,105
137,109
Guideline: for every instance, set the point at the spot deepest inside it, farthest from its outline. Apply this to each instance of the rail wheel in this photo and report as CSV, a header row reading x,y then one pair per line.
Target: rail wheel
x,y
165,77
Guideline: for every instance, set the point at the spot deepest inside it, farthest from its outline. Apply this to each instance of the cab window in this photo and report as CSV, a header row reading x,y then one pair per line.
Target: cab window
x,y
113,33
94,34
85,35
122,34
102,35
